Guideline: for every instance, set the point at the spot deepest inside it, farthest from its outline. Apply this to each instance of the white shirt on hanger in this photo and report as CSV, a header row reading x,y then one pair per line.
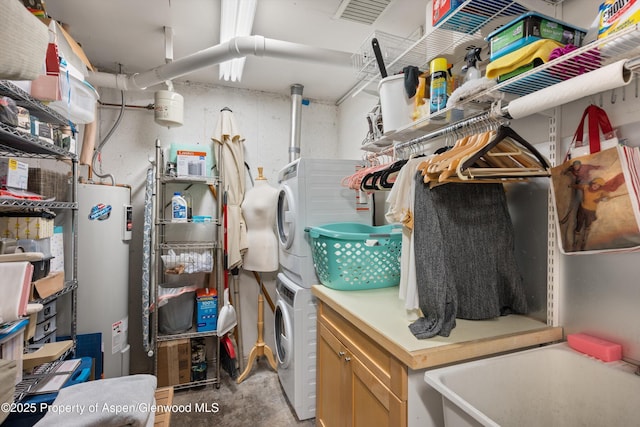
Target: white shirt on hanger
x,y
400,210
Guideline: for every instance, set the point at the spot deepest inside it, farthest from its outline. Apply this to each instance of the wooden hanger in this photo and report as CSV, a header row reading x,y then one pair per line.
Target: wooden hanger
x,y
480,141
428,167
506,158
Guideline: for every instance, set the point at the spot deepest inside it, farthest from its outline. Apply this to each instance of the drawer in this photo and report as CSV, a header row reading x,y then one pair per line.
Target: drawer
x,y
388,369
48,311
45,328
51,337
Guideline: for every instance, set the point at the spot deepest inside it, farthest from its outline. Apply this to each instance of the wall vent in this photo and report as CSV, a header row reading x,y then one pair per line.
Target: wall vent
x,y
363,11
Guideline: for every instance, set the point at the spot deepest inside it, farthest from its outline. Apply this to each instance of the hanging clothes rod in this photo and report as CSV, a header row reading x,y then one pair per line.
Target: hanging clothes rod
x,y
471,121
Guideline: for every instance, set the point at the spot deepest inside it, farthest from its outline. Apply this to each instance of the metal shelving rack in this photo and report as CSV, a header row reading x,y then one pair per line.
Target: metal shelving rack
x,y
20,144
161,245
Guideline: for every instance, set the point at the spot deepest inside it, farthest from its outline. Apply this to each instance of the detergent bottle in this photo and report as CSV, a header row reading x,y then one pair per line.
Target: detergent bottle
x,y
178,208
438,92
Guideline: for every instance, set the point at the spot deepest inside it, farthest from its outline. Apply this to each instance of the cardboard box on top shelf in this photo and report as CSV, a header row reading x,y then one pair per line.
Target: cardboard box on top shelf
x,y
174,362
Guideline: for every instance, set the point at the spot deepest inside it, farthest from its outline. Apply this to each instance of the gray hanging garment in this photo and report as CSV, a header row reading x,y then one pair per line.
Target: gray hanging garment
x,y
465,258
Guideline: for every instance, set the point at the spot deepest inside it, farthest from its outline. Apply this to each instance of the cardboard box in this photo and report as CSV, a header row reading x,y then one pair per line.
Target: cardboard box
x,y
13,173
49,183
47,286
26,227
615,16
174,362
47,353
442,9
206,310
191,163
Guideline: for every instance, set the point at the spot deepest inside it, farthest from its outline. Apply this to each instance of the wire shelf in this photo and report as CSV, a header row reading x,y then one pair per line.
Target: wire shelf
x,y
624,44
617,46
397,53
466,27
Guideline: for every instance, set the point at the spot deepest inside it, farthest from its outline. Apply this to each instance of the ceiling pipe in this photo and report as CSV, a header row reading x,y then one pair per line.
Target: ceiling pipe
x,y
235,48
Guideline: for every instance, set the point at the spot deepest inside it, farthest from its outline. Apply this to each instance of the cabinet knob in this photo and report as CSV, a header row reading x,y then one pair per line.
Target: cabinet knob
x,y
347,359
341,353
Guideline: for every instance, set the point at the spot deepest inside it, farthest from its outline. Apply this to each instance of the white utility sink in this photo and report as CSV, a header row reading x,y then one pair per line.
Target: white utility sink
x,y
546,386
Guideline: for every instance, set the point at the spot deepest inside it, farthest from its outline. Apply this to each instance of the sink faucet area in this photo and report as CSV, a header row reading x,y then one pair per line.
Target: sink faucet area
x,y
547,386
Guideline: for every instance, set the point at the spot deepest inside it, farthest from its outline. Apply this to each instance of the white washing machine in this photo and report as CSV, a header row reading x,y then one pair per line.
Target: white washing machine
x,y
312,194
295,344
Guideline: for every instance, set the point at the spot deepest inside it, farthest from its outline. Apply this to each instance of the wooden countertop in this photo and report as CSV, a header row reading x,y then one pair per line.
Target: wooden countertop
x,y
380,314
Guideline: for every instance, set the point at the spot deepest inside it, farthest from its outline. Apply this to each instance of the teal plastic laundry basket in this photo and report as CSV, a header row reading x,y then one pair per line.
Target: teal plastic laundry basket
x,y
350,256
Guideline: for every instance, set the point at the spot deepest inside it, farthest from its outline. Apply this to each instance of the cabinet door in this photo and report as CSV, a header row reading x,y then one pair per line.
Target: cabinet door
x,y
373,404
333,404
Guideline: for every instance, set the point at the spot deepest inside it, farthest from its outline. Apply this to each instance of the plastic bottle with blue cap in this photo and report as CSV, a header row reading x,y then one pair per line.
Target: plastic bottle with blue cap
x,y
178,208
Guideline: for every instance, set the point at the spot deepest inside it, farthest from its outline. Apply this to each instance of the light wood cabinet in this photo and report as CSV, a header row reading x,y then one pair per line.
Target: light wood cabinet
x,y
358,382
370,368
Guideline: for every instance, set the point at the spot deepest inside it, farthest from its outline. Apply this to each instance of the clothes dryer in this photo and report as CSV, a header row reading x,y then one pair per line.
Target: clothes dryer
x,y
312,194
295,344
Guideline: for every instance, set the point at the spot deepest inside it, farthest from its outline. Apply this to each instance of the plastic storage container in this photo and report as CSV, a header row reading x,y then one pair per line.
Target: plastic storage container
x,y
395,105
352,256
528,28
78,102
176,316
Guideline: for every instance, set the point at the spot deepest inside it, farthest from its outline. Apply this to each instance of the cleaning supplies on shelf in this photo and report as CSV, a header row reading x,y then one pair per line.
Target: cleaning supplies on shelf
x,y
471,70
178,208
438,92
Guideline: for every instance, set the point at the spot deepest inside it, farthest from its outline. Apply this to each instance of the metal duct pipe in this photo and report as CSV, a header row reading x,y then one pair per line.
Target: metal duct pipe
x,y
296,120
235,48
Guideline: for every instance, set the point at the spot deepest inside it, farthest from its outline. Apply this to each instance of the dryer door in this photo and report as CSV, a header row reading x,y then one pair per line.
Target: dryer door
x,y
286,218
283,331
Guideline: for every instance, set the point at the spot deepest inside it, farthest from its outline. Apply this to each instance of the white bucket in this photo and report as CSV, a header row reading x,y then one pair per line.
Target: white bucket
x,y
396,107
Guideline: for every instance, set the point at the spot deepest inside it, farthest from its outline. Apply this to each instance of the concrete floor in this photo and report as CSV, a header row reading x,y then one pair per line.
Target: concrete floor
x,y
258,400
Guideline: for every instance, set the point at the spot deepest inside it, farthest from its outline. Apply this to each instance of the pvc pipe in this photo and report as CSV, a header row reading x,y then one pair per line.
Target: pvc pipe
x,y
235,48
296,120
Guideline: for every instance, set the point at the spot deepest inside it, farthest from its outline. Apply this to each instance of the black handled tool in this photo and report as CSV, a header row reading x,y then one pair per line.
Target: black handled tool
x,y
378,53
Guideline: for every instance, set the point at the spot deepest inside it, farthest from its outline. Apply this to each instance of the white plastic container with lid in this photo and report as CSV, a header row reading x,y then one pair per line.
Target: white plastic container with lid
x,y
178,208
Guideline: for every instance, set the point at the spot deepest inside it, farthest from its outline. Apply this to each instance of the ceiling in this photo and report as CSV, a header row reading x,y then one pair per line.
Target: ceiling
x,y
129,36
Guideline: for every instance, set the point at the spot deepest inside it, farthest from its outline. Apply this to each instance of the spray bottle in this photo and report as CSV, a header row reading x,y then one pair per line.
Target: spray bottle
x,y
472,57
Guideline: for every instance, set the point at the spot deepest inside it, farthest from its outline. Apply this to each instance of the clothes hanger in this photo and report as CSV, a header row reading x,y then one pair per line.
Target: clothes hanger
x,y
442,161
451,166
429,164
526,160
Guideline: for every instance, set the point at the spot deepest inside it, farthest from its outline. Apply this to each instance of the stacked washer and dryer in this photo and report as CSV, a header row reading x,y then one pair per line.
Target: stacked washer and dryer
x,y
311,194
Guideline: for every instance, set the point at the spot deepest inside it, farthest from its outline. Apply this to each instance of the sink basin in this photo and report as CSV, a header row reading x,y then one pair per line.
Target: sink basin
x,y
546,386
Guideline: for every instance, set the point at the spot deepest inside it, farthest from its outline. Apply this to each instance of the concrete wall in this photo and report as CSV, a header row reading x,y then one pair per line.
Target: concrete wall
x,y
264,120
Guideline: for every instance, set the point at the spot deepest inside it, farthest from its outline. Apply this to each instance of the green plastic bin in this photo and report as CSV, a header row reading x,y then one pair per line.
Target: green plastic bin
x,y
351,256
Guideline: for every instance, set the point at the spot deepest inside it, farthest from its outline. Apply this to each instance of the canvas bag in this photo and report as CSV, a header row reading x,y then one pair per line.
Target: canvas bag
x,y
597,121
596,195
